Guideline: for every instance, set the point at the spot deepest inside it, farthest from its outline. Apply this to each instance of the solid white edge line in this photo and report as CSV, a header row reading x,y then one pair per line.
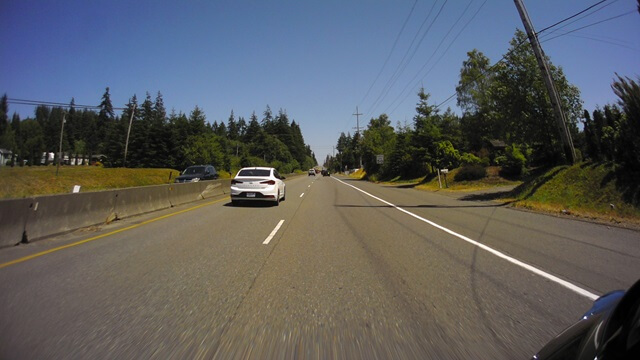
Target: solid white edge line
x,y
273,233
301,195
497,253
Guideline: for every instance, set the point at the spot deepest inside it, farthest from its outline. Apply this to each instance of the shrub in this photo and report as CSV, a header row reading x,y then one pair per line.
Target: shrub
x,y
446,155
470,159
500,160
470,172
515,162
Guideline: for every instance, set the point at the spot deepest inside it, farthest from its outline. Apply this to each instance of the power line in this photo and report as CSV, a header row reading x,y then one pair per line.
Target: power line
x,y
547,28
414,51
390,52
578,19
616,42
51,103
570,17
596,23
402,93
404,57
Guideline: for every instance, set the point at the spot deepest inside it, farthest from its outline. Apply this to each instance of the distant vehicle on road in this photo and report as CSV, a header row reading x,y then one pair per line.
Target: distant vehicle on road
x,y
325,172
312,172
258,184
609,330
197,173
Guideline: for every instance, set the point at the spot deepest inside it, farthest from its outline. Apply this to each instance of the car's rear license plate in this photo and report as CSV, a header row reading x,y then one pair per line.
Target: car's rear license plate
x,y
251,195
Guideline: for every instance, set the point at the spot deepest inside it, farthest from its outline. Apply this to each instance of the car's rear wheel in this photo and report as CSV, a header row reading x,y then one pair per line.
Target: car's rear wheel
x,y
277,199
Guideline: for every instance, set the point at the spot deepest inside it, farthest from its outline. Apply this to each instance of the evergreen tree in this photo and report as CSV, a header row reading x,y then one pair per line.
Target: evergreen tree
x,y
267,121
137,147
220,130
426,132
17,133
401,161
114,141
105,117
282,130
232,127
89,133
32,141
592,149
450,128
71,127
4,114
7,135
197,122
628,132
140,142
159,135
378,139
297,145
242,127
253,130
179,129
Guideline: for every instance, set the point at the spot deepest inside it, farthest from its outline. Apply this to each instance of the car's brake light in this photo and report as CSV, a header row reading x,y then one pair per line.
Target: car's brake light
x,y
234,181
268,182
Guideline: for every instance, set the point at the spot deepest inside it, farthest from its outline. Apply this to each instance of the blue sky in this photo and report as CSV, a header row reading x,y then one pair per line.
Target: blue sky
x,y
315,59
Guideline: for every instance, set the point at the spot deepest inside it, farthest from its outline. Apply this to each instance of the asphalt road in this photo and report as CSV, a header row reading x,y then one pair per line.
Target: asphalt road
x,y
390,273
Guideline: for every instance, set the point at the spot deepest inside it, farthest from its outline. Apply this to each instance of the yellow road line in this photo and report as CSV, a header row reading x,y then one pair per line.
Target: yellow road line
x,y
23,259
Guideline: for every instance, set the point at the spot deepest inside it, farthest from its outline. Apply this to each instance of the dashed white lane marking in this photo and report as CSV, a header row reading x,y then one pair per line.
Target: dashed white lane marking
x,y
273,233
301,195
497,253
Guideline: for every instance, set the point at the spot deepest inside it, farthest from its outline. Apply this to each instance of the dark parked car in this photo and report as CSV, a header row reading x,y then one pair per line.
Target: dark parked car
x,y
197,173
609,330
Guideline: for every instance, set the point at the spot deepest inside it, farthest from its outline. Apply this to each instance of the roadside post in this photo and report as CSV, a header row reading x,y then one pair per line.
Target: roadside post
x,y
445,172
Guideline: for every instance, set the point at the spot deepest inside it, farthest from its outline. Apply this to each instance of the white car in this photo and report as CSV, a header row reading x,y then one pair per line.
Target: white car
x,y
258,184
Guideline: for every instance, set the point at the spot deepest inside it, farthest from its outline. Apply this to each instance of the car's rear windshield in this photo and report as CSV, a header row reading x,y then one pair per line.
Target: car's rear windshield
x,y
254,172
194,170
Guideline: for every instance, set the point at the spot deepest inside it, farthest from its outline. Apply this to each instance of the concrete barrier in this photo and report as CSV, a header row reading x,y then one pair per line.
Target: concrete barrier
x,y
187,192
226,186
56,214
211,189
184,193
13,220
141,200
44,216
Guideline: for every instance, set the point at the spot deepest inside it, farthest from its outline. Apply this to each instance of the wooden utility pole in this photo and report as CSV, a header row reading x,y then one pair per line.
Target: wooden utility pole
x,y
126,145
60,157
357,114
569,150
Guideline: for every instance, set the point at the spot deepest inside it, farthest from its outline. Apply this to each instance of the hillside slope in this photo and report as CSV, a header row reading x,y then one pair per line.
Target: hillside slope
x,y
592,190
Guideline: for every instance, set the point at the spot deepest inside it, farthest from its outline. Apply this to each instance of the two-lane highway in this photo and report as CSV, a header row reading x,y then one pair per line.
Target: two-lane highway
x,y
341,269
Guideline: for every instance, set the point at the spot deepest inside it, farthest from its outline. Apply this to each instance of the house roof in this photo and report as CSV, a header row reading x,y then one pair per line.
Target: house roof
x,y
498,144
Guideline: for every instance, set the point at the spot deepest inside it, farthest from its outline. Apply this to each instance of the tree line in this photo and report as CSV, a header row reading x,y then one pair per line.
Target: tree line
x,y
156,139
507,120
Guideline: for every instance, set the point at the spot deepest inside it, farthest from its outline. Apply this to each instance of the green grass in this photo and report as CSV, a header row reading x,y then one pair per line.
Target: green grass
x,y
20,182
430,182
586,190
492,180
